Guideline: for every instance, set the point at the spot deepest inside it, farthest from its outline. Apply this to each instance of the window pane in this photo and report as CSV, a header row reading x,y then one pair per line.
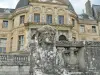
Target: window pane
x,y
21,42
3,44
49,19
0,49
36,17
82,28
22,19
61,19
94,29
5,24
4,49
73,22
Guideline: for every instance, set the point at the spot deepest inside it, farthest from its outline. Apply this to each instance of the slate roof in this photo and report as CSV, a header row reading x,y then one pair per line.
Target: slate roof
x,y
71,7
3,10
96,11
22,3
85,16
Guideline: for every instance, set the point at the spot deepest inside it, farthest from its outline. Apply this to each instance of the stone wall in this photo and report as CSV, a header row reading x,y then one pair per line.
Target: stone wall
x,y
87,54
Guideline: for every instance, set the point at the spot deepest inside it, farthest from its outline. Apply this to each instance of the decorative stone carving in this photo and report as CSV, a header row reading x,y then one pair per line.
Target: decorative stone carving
x,y
36,9
46,35
71,60
46,41
30,18
49,10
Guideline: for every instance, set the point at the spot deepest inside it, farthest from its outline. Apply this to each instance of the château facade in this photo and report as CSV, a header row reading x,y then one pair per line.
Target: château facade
x,y
18,26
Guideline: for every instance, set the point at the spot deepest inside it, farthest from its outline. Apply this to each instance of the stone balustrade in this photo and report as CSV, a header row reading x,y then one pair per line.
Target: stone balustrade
x,y
69,43
14,60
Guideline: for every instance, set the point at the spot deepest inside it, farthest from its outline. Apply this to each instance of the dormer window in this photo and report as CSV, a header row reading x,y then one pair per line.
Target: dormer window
x,y
7,10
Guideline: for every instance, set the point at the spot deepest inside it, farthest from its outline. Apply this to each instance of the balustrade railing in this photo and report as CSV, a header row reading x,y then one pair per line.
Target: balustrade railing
x,y
11,60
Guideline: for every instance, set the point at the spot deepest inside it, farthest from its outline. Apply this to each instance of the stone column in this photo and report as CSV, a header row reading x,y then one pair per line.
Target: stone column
x,y
43,15
32,60
56,22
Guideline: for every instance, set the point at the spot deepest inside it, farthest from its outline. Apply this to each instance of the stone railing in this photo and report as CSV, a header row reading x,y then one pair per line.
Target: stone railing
x,y
92,43
14,60
69,44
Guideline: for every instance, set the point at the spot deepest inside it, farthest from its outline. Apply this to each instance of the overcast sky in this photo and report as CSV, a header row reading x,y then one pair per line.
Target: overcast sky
x,y
78,5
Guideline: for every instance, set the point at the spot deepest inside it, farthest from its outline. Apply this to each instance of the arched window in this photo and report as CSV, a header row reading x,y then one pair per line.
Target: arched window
x,y
62,38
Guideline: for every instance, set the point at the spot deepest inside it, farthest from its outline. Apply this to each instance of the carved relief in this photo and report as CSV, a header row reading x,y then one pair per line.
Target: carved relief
x,y
35,9
49,10
46,40
70,58
46,35
21,31
61,11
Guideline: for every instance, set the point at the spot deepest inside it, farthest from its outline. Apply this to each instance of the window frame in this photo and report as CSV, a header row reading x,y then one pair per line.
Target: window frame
x,y
3,48
49,18
20,42
81,28
5,24
73,22
94,30
22,19
61,19
37,19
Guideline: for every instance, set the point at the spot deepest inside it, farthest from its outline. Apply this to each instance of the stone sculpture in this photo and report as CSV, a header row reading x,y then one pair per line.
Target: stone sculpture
x,y
57,58
45,37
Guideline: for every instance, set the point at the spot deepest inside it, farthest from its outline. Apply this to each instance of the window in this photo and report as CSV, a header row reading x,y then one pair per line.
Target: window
x,y
94,29
73,22
61,19
3,44
22,19
82,28
36,18
21,42
11,43
5,24
13,23
49,19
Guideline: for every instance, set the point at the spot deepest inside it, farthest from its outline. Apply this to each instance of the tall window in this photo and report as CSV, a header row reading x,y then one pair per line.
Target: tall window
x,y
82,28
5,24
3,44
22,18
73,22
94,29
61,19
49,19
11,43
37,18
21,42
13,23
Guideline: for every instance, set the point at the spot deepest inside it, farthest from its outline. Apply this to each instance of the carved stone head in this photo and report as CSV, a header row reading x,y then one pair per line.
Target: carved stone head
x,y
46,35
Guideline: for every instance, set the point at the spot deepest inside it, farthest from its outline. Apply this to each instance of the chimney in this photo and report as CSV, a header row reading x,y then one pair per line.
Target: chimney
x,y
88,8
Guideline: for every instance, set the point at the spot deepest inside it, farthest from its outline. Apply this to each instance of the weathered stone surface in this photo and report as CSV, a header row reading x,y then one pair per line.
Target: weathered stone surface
x,y
48,57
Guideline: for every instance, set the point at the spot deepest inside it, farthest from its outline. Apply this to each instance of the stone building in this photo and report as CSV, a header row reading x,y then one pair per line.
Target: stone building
x,y
18,26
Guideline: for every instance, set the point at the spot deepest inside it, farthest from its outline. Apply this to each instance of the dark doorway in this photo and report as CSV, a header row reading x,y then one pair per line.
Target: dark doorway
x,y
62,38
